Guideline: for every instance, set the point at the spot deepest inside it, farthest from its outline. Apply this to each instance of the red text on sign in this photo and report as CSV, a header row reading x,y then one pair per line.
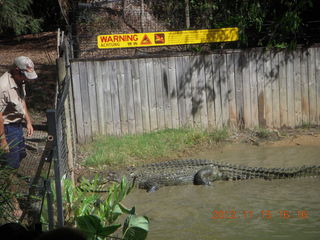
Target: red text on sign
x,y
119,38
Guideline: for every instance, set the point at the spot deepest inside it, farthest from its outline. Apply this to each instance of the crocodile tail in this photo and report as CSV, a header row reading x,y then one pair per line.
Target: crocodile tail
x,y
304,171
233,172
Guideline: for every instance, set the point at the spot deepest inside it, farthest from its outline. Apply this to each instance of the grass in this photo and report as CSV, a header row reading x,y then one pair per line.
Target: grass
x,y
111,150
263,132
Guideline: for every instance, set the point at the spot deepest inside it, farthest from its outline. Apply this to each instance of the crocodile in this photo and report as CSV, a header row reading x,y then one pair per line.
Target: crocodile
x,y
204,172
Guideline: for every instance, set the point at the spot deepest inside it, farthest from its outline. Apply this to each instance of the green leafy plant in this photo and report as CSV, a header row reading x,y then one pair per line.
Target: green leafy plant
x,y
7,196
96,214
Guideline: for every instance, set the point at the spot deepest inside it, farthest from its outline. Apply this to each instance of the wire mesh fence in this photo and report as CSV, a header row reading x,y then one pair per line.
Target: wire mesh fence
x,y
258,23
22,190
135,16
60,126
64,116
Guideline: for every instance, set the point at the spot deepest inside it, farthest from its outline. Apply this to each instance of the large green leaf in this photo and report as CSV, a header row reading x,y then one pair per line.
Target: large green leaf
x,y
107,231
135,228
89,224
126,210
115,213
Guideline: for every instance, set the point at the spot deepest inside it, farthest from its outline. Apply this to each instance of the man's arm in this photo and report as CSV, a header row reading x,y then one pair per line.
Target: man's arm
x,y
3,140
28,120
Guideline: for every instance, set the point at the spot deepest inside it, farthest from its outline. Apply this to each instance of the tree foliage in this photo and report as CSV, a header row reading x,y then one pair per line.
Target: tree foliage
x,y
282,23
16,16
29,16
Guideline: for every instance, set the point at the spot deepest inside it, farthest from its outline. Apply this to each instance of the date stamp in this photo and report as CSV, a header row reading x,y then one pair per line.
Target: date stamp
x,y
263,214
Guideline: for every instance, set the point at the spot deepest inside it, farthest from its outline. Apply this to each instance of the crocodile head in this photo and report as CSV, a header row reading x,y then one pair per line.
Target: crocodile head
x,y
129,173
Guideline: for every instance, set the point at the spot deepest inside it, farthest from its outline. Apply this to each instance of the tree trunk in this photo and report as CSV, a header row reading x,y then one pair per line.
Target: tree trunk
x,y
142,15
187,12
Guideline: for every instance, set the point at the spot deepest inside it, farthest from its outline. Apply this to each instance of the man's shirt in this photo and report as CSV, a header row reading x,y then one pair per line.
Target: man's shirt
x,y
11,99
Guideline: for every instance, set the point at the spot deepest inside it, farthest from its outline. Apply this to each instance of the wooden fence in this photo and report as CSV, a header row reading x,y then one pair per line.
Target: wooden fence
x,y
252,88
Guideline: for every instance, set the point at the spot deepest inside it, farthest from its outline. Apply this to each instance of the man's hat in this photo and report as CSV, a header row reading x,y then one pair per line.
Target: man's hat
x,y
26,65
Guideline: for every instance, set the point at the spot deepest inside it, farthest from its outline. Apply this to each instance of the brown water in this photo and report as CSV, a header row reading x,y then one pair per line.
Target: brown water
x,y
251,209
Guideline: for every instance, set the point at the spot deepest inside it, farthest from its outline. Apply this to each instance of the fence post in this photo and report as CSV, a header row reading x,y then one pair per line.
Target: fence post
x,y
50,204
67,108
52,130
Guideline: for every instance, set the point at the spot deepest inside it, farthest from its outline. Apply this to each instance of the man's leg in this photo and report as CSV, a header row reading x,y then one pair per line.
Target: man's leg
x,y
15,139
22,144
14,135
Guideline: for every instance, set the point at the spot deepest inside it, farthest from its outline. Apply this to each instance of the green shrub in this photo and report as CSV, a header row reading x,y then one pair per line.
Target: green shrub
x,y
96,214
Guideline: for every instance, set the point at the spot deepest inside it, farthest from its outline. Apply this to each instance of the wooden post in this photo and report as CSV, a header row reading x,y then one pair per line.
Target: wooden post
x,y
52,130
187,11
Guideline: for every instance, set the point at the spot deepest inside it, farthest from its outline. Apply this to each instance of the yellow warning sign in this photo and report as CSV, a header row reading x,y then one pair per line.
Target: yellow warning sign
x,y
145,40
167,38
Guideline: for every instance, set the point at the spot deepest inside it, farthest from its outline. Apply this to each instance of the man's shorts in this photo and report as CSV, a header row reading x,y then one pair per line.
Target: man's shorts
x,y
15,140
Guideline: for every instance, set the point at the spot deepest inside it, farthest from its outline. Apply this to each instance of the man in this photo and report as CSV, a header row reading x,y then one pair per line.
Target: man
x,y
13,110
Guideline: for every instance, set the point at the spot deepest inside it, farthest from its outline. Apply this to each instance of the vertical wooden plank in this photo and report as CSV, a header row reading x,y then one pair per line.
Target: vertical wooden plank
x,y
204,112
181,82
253,88
172,80
106,101
238,59
69,129
199,97
304,87
283,105
152,95
261,93
92,99
101,105
85,101
290,89
114,72
224,90
136,95
187,71
275,90
72,122
317,66
246,89
77,99
122,97
231,90
166,92
195,91
268,88
144,95
157,73
312,86
129,96
210,93
61,66
297,87
216,63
